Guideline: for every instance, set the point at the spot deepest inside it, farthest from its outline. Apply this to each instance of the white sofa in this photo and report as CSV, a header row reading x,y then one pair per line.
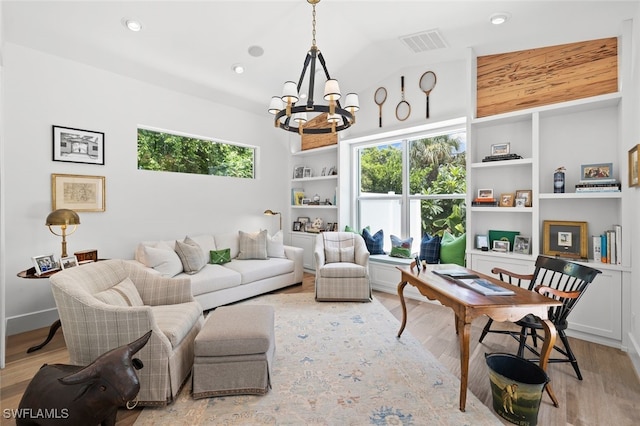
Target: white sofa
x,y
243,277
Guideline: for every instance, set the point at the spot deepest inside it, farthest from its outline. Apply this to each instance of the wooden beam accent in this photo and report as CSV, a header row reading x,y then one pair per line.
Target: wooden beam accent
x,y
316,141
529,78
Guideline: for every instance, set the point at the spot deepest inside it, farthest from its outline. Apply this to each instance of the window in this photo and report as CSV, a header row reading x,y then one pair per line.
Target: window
x,y
169,152
410,186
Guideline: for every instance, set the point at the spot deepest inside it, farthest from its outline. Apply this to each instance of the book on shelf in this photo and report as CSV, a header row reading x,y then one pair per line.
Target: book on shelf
x,y
598,181
474,282
485,201
611,246
599,187
596,253
603,189
603,249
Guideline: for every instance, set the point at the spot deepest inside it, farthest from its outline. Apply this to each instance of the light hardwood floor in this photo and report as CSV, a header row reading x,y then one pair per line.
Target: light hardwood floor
x,y
609,393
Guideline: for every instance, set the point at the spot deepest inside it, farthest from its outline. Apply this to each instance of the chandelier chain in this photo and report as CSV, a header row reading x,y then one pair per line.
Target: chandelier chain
x,y
313,24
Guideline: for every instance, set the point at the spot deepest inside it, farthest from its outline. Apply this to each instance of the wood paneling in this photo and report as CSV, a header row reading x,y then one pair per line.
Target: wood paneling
x,y
528,78
316,141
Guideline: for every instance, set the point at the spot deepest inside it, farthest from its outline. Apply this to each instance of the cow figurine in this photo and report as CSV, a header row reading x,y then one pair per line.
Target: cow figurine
x,y
62,394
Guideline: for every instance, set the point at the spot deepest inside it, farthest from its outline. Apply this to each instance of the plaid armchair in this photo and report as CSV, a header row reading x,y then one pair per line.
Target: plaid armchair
x,y
342,267
103,305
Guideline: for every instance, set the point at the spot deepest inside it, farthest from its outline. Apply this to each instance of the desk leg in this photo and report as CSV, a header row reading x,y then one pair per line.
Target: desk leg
x,y
401,287
550,334
52,331
464,331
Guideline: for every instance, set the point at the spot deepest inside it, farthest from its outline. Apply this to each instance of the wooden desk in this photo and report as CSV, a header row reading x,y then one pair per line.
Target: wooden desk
x,y
468,305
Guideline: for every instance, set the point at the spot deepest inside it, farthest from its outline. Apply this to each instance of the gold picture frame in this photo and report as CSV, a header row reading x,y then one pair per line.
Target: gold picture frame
x,y
80,193
527,194
633,166
565,239
507,200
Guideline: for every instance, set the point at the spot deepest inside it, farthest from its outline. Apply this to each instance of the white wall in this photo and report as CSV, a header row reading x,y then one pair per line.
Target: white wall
x,y
41,90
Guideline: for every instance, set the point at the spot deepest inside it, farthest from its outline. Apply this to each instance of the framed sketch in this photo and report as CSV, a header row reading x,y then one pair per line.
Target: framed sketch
x,y
306,172
506,200
527,194
298,172
500,246
522,244
304,220
485,193
596,171
78,192
500,148
633,166
297,226
68,262
77,145
565,239
482,242
45,263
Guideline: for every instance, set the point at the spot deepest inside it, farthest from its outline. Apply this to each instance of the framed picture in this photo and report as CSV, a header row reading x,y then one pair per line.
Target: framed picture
x,y
501,246
596,171
68,262
485,193
304,220
329,226
78,192
297,226
45,263
305,201
527,194
565,239
506,200
77,145
482,242
298,172
521,202
633,166
306,172
500,148
522,244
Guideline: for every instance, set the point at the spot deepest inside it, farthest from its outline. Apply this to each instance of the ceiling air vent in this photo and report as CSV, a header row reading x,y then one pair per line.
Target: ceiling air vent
x,y
424,41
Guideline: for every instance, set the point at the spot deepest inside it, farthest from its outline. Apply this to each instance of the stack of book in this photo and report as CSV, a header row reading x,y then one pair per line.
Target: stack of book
x,y
607,247
485,202
598,185
501,157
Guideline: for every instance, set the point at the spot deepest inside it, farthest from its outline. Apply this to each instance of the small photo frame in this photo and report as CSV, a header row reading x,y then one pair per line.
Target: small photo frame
x,y
298,172
565,239
500,148
77,145
304,220
297,226
45,264
596,171
521,202
305,201
633,166
501,246
482,242
522,244
507,200
485,193
78,193
68,262
306,173
527,194
329,226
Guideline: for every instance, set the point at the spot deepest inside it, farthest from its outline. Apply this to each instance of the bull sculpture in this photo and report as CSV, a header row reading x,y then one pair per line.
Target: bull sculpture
x,y
62,394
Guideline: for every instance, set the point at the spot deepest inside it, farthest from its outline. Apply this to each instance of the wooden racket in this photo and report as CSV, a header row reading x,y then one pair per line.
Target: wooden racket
x,y
427,83
380,96
403,109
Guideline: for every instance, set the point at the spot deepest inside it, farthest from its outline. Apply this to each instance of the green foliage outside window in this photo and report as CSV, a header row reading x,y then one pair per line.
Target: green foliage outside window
x,y
173,153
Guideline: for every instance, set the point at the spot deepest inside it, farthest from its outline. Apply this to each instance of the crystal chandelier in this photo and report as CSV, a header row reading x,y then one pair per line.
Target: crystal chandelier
x,y
292,117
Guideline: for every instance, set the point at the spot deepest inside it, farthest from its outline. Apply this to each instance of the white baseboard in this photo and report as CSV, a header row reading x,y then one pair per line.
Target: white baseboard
x,y
31,321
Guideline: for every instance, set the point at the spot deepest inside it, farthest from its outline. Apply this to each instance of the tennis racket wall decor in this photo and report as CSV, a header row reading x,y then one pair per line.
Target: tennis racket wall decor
x,y
380,96
427,83
403,109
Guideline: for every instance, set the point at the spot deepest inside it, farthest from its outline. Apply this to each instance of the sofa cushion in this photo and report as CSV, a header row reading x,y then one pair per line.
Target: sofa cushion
x,y
213,278
430,248
219,257
375,242
253,245
230,240
254,270
163,259
343,270
401,248
339,247
275,245
123,294
177,320
191,254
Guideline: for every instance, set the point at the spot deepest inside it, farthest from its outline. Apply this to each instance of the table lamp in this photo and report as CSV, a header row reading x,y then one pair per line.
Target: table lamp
x,y
272,213
63,218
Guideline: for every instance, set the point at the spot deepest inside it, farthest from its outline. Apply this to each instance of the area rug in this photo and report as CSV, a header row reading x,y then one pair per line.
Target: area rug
x,y
337,364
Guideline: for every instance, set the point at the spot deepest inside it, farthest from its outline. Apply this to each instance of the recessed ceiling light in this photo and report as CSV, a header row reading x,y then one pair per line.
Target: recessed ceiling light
x,y
132,24
499,18
255,51
237,68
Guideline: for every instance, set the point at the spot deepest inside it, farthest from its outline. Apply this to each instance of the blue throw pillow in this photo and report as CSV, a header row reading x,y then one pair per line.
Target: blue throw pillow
x,y
430,249
374,242
400,247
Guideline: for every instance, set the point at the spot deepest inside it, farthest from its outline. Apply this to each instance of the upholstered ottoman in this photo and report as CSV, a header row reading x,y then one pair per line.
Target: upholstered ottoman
x,y
234,351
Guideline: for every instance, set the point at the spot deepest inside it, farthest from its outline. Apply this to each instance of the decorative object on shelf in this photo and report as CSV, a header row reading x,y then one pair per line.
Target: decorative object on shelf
x,y
485,199
317,223
486,194
298,172
506,200
403,109
601,172
324,171
297,194
502,236
427,83
90,255
305,201
500,246
482,242
306,173
521,202
527,195
633,166
78,192
558,180
327,202
269,212
45,264
63,218
379,97
316,198
565,239
68,262
333,171
304,221
77,145
297,226
500,148
522,245
292,118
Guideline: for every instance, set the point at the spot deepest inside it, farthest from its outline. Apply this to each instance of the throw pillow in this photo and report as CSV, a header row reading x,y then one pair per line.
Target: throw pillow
x,y
165,261
218,257
275,245
452,249
191,255
401,248
430,248
374,242
124,293
338,248
253,245
347,228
